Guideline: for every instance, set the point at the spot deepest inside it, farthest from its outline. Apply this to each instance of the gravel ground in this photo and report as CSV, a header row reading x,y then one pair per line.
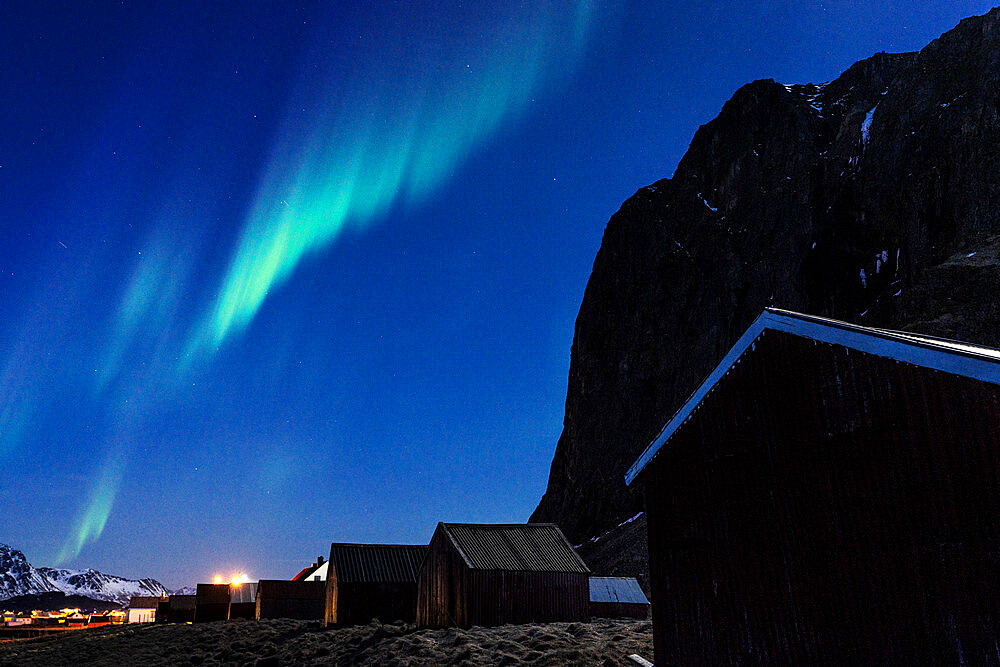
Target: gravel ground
x,y
288,642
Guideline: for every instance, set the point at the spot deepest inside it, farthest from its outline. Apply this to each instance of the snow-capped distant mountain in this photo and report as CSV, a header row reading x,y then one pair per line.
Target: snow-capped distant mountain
x,y
100,586
186,590
18,577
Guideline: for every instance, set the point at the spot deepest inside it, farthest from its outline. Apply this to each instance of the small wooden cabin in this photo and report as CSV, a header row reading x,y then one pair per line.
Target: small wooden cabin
x,y
303,600
617,597
366,581
211,603
181,608
829,494
142,608
243,600
494,574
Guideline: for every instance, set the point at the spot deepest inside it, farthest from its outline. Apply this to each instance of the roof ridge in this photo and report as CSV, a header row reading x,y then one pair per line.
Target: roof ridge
x,y
951,356
367,544
501,525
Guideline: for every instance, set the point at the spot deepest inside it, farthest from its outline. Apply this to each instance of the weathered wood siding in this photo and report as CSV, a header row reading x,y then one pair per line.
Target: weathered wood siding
x,y
440,591
618,610
303,600
357,603
451,594
212,603
182,608
246,610
827,506
330,605
498,597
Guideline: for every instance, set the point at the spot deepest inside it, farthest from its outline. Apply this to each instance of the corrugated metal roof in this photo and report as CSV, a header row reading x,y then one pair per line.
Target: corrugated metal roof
x,y
269,589
531,547
382,563
616,589
144,601
243,593
178,602
974,361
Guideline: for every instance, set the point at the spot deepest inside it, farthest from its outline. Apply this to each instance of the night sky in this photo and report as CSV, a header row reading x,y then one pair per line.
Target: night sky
x,y
276,275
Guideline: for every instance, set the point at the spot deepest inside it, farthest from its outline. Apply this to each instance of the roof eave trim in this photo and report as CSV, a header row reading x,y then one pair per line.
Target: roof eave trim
x,y
935,354
745,341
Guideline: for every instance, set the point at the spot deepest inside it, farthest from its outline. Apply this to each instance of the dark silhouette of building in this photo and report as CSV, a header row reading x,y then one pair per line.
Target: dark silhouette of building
x,y
366,581
830,494
479,574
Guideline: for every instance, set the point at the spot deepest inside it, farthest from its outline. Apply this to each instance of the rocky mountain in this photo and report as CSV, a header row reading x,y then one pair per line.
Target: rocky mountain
x,y
18,577
873,198
100,586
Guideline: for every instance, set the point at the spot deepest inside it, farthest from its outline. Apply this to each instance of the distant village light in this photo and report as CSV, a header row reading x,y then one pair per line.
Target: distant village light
x,y
217,580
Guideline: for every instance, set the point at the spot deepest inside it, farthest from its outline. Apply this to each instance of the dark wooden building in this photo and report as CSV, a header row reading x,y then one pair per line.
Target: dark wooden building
x,y
162,609
304,600
617,597
487,575
243,600
830,494
366,581
181,608
211,603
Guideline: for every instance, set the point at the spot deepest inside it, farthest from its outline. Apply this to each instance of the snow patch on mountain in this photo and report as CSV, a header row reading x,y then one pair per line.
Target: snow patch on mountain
x,y
19,577
101,586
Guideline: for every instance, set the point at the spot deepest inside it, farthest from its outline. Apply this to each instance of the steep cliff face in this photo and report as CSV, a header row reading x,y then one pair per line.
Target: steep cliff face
x,y
874,199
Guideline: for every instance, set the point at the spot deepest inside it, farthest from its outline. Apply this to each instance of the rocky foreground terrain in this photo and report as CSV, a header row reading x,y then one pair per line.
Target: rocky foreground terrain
x,y
288,642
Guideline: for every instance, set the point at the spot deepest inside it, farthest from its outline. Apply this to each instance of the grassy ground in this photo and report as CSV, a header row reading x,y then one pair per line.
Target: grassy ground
x,y
287,642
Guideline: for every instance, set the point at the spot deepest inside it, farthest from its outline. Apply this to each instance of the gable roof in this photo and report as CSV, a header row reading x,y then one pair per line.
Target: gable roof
x,y
532,547
144,601
950,356
616,589
377,563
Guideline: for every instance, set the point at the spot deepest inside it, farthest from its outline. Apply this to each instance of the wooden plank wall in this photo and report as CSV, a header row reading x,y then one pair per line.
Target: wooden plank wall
x,y
212,603
826,506
359,603
303,600
498,597
450,594
440,589
619,610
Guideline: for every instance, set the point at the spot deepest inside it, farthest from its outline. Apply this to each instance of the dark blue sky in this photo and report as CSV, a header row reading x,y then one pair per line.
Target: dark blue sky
x,y
273,276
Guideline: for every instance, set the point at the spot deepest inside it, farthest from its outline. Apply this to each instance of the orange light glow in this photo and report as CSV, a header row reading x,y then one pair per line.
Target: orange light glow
x,y
217,580
238,579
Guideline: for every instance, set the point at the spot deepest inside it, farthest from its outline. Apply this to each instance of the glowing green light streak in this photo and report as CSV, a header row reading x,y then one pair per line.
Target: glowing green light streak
x,y
399,141
90,523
